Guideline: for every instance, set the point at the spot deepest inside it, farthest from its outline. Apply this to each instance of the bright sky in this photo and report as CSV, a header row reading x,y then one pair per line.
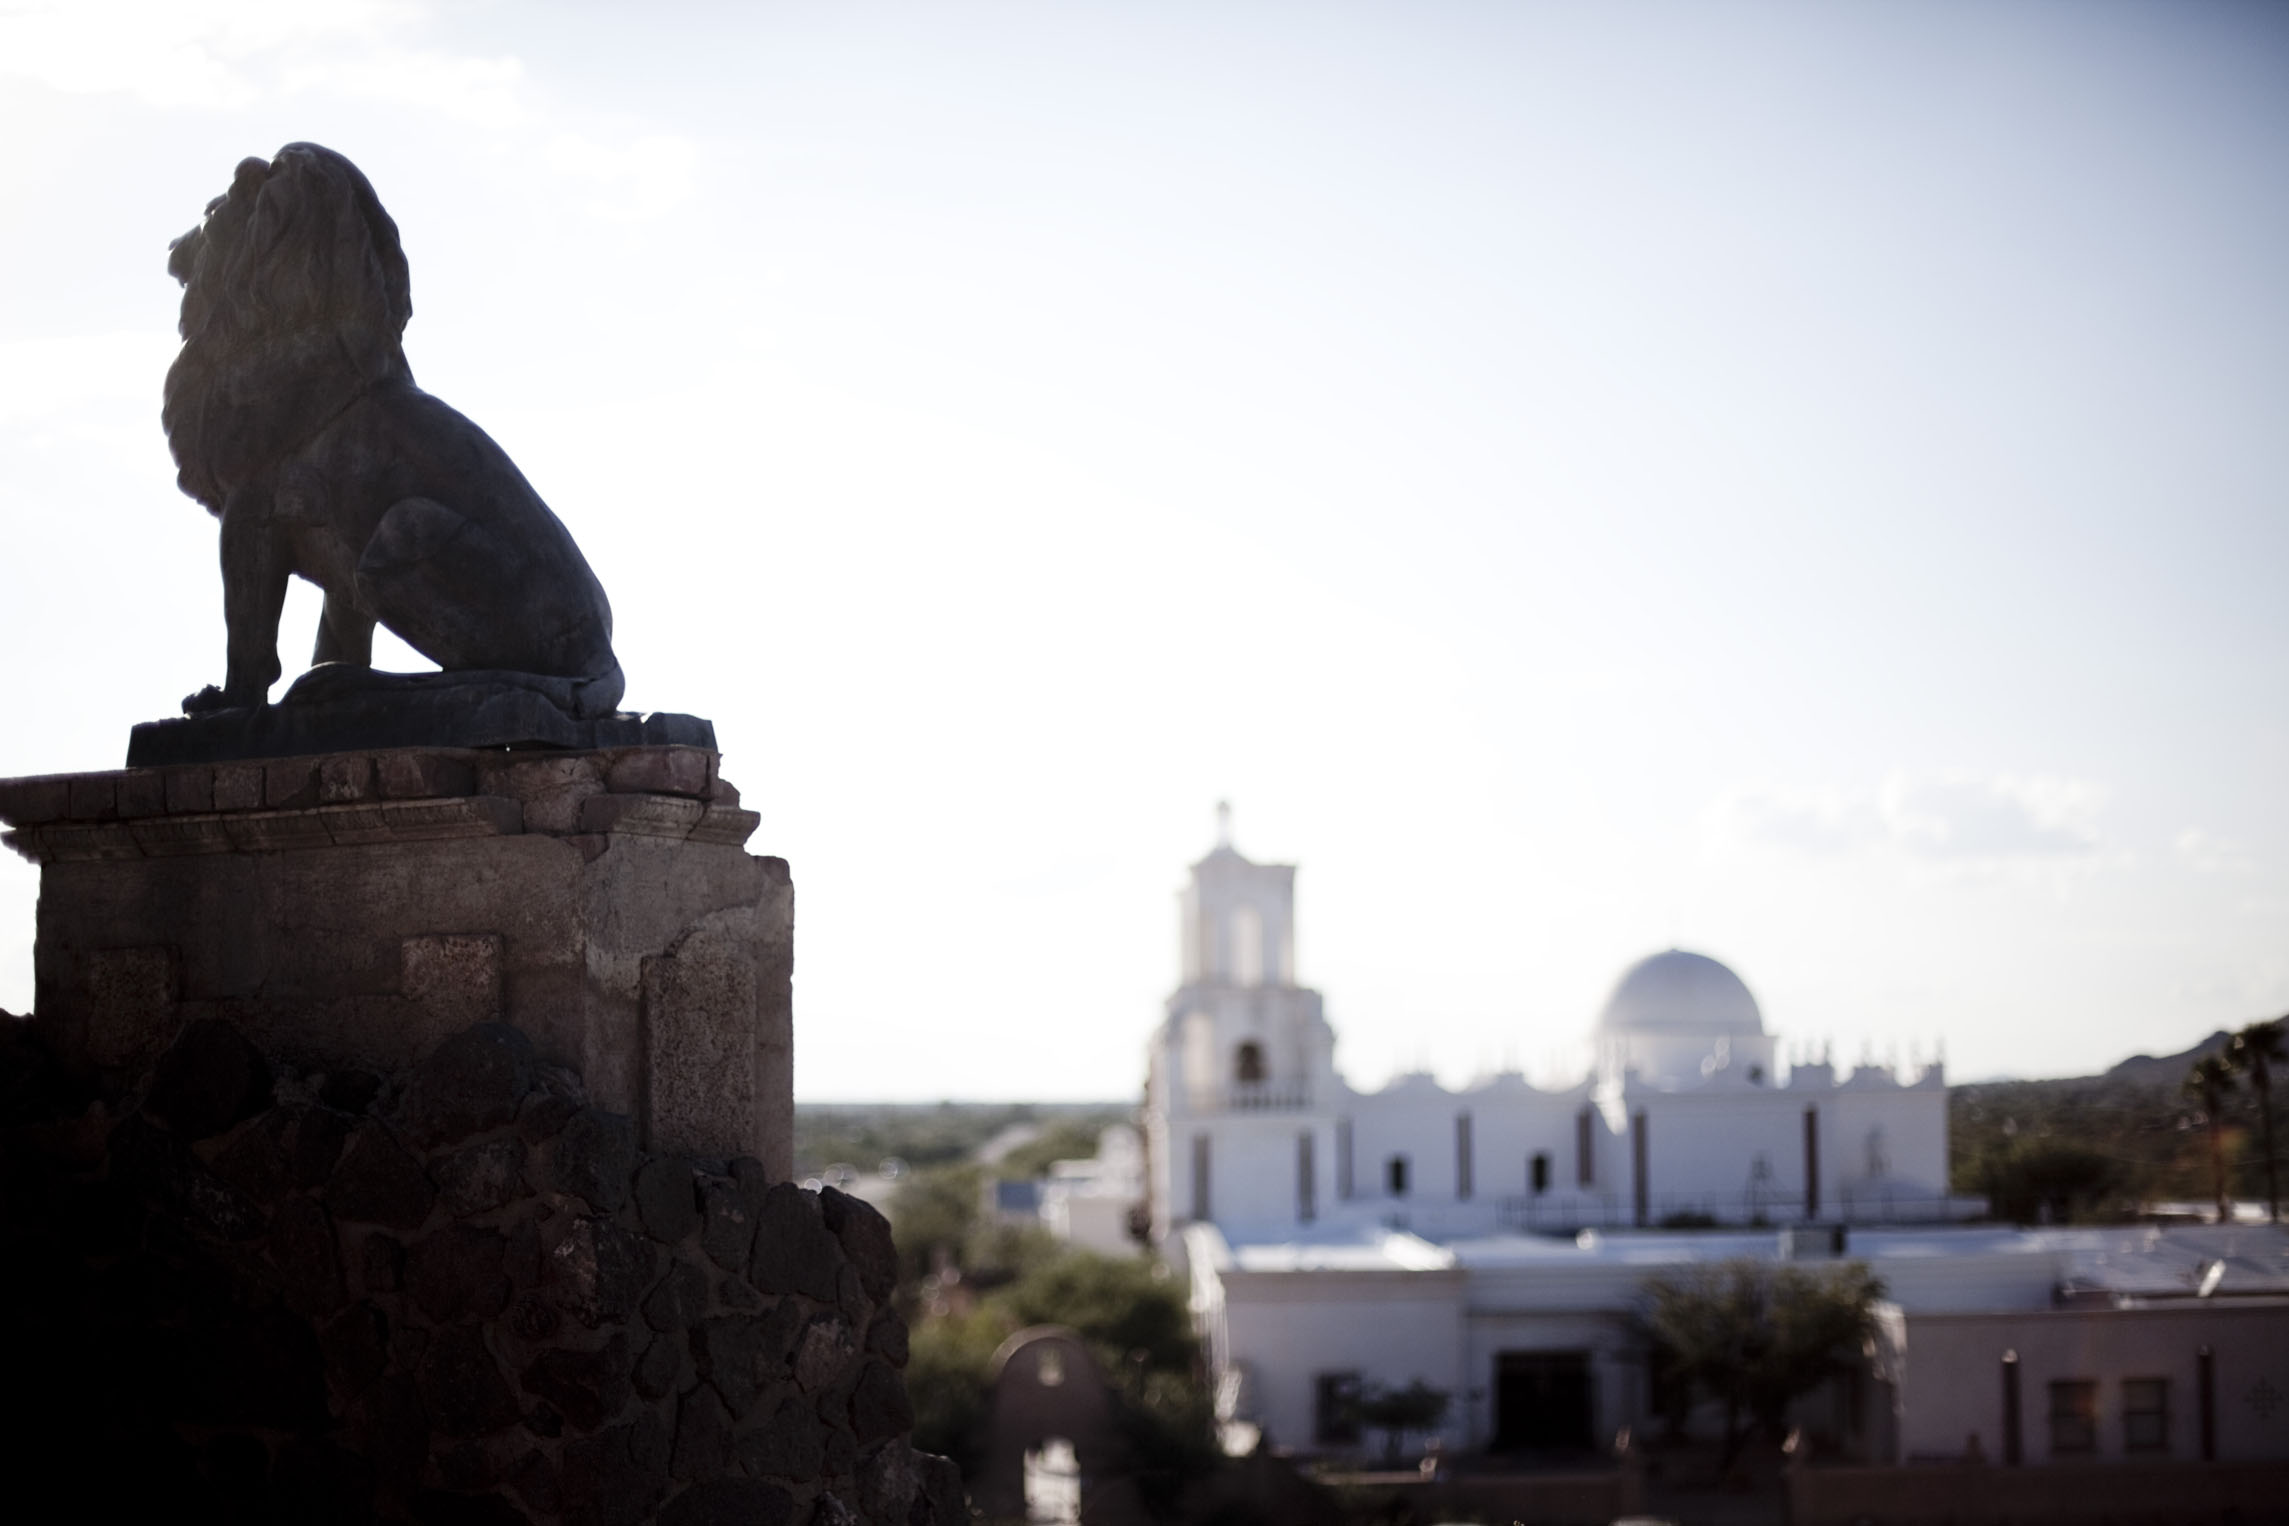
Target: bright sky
x,y
1801,482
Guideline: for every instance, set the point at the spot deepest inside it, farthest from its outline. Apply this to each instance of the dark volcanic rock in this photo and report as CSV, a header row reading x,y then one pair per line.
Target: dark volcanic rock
x,y
730,1502
865,1237
661,1369
379,1181
599,1271
209,1080
587,1387
461,1387
616,1477
319,1134
703,1436
729,1353
794,1253
667,1195
592,1157
356,1348
482,1176
886,1337
729,1209
456,1274
393,1430
161,1167
680,1299
471,1082
791,1444
879,1407
349,1091
382,1264
255,1162
302,1247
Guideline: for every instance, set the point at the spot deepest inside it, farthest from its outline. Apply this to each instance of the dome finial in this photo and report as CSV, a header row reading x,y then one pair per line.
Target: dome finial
x,y
1223,823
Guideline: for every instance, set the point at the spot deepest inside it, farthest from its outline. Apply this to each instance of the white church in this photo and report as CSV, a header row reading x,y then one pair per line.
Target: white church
x,y
1685,1116
1493,1242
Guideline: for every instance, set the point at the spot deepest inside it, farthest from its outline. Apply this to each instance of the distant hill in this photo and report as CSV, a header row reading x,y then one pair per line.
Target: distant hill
x,y
2099,1147
2170,1069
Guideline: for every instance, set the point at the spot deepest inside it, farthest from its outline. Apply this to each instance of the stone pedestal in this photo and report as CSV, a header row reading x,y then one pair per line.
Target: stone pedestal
x,y
353,909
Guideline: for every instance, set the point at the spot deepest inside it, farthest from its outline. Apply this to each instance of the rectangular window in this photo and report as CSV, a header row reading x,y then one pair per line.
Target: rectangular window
x,y
2074,1417
1462,1163
1335,1409
1585,1156
2145,1414
1395,1176
1343,1159
1200,1204
1538,1173
1307,1187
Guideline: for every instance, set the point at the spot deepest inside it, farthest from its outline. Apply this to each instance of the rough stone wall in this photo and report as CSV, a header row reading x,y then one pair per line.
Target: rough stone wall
x,y
454,1293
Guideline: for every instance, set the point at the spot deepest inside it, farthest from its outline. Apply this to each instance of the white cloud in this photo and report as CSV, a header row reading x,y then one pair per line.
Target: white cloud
x,y
231,54
2205,853
1956,817
209,54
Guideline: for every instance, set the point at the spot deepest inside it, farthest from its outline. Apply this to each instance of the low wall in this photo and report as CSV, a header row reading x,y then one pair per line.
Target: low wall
x,y
457,1292
1546,1499
2096,1494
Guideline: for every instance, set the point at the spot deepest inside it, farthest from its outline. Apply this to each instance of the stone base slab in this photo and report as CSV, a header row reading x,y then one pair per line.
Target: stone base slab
x,y
352,909
495,716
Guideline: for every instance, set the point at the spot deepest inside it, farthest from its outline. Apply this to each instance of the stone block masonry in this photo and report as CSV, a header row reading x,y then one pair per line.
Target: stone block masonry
x,y
451,1291
350,910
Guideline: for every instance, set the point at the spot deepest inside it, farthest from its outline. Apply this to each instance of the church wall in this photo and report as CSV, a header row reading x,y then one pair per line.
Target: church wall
x,y
1390,1327
1511,1125
1913,1145
1703,1148
1617,1373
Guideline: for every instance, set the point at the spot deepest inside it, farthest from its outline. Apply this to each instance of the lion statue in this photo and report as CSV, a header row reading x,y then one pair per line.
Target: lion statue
x,y
293,417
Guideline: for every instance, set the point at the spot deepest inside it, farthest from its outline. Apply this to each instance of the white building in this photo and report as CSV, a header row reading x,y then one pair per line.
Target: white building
x,y
1492,1242
1686,1112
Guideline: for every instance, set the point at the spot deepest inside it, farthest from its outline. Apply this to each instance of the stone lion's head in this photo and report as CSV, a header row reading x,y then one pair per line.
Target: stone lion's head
x,y
294,298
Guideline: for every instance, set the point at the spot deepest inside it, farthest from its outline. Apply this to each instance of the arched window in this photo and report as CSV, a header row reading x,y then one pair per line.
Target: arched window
x,y
1395,1175
1248,1063
1538,1173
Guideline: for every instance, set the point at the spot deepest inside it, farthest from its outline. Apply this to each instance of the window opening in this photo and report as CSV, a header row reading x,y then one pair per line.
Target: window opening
x,y
1335,1409
2145,1414
1395,1175
2074,1416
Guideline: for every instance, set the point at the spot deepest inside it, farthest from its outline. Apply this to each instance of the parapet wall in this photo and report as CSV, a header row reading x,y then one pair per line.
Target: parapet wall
x,y
351,909
453,1291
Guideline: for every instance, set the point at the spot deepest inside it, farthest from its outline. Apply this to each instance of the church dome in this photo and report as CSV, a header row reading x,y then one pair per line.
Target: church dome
x,y
1677,992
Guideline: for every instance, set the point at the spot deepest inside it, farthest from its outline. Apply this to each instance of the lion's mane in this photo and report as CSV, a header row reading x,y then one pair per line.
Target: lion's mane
x,y
295,297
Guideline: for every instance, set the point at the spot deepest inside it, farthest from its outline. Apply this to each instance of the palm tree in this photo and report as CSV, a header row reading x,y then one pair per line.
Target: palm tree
x,y
2207,1083
2254,1052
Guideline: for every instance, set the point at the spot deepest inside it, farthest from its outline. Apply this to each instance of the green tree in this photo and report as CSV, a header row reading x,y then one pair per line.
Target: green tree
x,y
1065,1139
2209,1083
2048,1180
946,1364
1755,1336
2254,1052
1130,1314
1396,1411
933,1216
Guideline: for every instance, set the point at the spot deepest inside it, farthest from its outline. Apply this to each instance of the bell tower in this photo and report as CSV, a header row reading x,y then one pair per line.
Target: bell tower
x,y
1243,1064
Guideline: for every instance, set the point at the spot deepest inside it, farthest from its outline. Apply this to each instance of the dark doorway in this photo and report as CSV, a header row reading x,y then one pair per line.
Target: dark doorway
x,y
1542,1401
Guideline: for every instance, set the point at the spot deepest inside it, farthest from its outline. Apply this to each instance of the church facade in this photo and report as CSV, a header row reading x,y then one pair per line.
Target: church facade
x,y
1684,1117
